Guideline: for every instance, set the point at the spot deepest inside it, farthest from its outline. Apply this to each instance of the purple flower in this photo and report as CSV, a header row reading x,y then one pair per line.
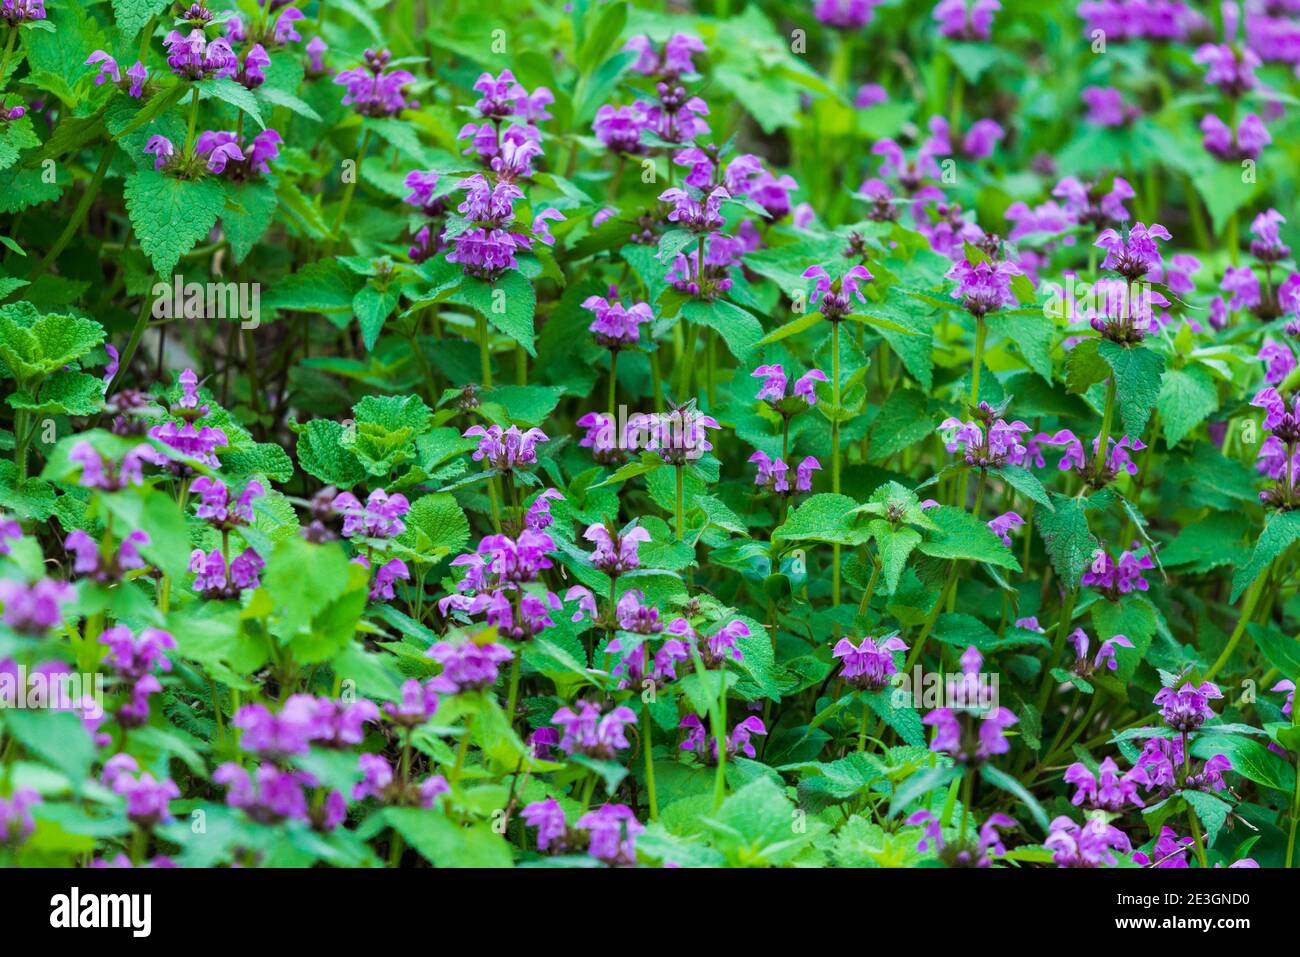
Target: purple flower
x,y
107,68
773,389
836,294
675,61
134,656
272,796
552,829
1231,70
162,149
194,57
1279,361
316,49
619,128
147,800
985,286
1003,442
1106,790
1105,657
506,450
697,215
213,579
380,517
90,562
1247,142
587,731
1267,246
963,852
16,821
1117,460
373,91
1169,850
612,830
1002,525
615,553
616,327
1092,845
36,608
195,442
467,665
706,746
845,14
970,734
1088,205
1135,256
389,573
1118,578
417,705
869,95
538,515
1187,708
284,31
716,648
14,12
214,504
958,22
1106,107
869,664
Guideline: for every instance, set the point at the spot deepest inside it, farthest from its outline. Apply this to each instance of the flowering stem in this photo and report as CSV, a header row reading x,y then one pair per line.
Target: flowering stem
x,y
871,587
613,379
680,504
194,121
462,748
1247,611
1103,438
484,357
720,736
1295,799
124,361
658,380
646,743
835,454
9,49
862,725
967,787
939,602
512,698
78,215
1191,811
1062,629
347,198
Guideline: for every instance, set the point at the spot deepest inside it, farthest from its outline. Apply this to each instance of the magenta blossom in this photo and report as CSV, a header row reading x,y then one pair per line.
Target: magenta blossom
x,y
868,665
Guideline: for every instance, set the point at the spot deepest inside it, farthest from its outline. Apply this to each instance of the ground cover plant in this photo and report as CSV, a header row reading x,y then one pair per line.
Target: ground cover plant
x,y
846,433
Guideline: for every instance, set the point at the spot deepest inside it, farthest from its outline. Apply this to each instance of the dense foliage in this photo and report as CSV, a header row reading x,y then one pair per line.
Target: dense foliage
x,y
846,433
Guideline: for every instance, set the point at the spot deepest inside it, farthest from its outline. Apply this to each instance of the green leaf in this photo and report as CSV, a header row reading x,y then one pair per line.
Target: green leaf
x,y
243,227
1005,782
64,393
435,526
320,453
894,546
1024,482
963,536
132,15
237,95
34,346
170,216
1069,543
1249,758
794,327
738,328
1212,811
905,419
508,303
1187,398
1281,531
1031,332
1084,366
372,307
1283,653
1137,382
825,517
57,737
444,843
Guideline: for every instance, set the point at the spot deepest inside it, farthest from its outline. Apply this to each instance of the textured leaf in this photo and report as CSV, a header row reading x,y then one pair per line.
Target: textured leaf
x,y
1187,398
1137,382
963,536
170,215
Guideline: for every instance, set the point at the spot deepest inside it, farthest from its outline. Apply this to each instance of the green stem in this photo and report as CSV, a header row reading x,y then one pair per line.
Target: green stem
x,y
1103,438
193,122
647,744
348,190
9,49
484,356
613,380
1248,609
78,215
835,455
1062,629
512,699
132,344
680,507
